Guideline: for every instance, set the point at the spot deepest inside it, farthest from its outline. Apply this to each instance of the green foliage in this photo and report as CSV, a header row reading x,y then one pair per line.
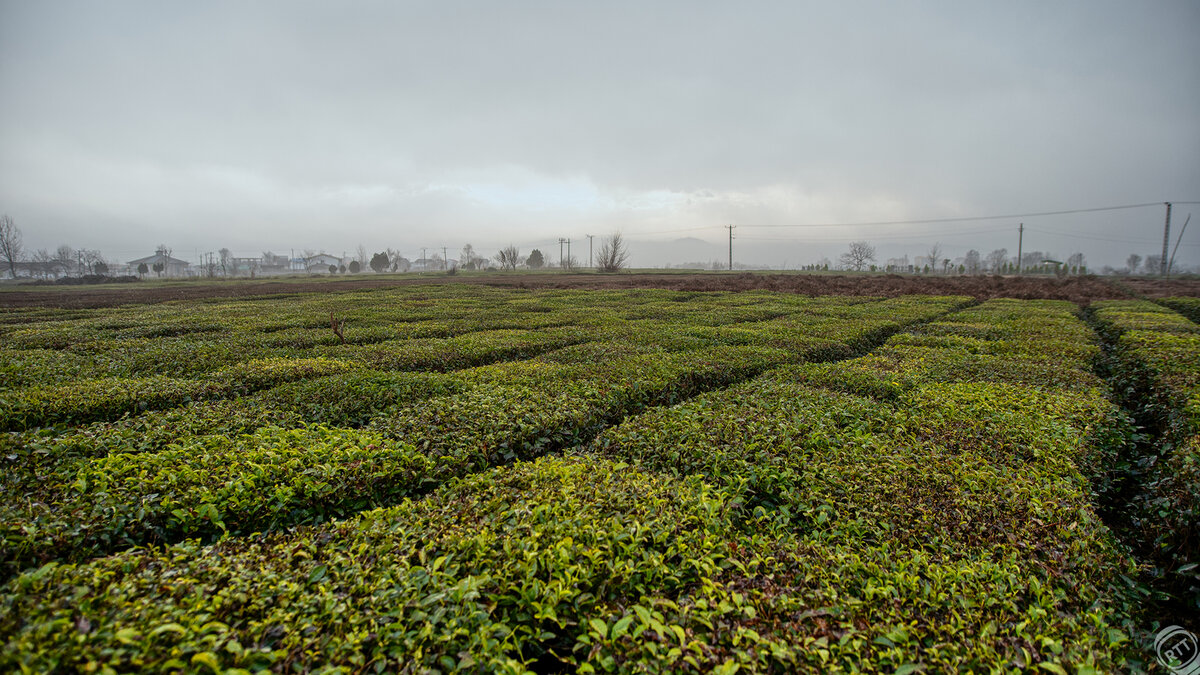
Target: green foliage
x,y
752,481
1155,353
208,486
89,400
1189,307
502,570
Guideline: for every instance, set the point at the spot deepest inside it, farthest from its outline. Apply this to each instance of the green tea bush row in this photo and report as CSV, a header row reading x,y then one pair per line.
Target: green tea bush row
x,y
461,351
208,486
505,571
1039,344
560,564
519,410
1156,353
1189,307
45,457
460,425
916,484
91,400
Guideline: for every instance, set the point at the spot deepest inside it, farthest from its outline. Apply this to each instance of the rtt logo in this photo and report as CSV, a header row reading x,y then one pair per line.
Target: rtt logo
x,y
1178,650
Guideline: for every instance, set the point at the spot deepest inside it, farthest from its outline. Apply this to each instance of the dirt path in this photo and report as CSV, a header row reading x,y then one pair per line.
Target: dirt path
x,y
1081,290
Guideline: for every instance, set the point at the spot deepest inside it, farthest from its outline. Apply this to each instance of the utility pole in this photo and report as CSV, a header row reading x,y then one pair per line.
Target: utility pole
x,y
1020,241
730,228
1166,241
589,236
561,241
424,260
568,250
445,260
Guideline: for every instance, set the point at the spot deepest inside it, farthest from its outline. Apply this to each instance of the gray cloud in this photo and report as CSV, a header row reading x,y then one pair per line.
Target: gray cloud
x,y
269,125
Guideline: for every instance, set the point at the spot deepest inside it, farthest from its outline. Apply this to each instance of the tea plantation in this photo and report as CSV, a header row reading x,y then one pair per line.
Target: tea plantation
x,y
561,480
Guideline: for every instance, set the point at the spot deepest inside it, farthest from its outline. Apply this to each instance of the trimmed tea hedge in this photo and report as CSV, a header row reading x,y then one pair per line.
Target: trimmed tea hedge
x,y
887,494
503,571
208,486
1156,353
91,400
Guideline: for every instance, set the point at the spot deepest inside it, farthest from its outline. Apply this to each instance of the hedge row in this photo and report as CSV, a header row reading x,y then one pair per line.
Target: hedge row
x,y
892,498
459,424
471,420
1189,307
546,565
84,401
209,486
563,563
1156,352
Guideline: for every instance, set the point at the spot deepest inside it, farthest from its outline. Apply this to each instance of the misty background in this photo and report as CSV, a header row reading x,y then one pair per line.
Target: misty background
x,y
290,126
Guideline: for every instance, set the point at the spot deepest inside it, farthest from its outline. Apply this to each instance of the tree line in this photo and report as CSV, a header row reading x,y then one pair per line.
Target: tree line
x,y
861,256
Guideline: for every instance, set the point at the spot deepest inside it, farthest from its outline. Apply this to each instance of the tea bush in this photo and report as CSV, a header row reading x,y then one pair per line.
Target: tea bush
x,y
1155,355
208,486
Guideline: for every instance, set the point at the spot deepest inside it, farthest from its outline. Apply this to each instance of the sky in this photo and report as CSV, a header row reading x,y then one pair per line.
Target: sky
x,y
300,125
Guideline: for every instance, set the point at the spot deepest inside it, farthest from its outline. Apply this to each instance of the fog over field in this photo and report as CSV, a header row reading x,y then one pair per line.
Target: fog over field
x,y
312,125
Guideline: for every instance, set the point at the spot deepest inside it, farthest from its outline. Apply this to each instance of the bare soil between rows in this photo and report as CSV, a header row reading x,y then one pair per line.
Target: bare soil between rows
x,y
1081,290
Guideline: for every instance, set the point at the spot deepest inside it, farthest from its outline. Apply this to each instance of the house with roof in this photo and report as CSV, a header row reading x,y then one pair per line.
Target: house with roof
x,y
320,262
171,267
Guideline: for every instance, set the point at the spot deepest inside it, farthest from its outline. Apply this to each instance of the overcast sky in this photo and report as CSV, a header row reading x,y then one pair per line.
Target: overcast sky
x,y
323,125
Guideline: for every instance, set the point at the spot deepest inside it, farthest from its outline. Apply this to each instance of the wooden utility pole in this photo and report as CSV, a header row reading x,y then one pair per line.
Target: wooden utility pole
x,y
730,228
1162,269
561,241
589,236
1020,242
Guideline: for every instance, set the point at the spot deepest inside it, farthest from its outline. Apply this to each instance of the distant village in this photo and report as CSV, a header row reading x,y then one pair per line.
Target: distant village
x,y
163,264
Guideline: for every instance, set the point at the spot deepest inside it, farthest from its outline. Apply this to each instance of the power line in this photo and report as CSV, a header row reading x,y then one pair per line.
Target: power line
x,y
920,221
893,237
965,219
1115,240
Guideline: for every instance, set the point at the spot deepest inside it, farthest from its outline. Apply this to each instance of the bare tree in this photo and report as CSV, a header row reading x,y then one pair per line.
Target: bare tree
x,y
43,262
361,255
509,257
64,258
1133,262
1077,263
996,260
613,255
971,262
226,262
92,260
935,254
858,256
1153,264
11,248
470,259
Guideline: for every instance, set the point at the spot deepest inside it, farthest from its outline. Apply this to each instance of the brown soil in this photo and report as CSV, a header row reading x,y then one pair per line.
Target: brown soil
x,y
1080,290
